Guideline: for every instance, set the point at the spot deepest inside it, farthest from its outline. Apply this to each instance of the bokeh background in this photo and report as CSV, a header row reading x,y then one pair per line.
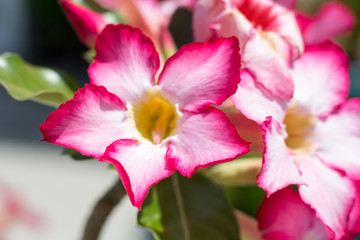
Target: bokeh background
x,y
61,190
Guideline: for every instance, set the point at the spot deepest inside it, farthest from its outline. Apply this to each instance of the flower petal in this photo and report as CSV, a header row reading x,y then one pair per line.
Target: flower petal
x,y
212,17
285,216
354,218
87,24
325,68
126,62
246,128
278,169
338,138
256,104
269,68
286,3
202,74
202,140
333,19
328,192
88,123
139,164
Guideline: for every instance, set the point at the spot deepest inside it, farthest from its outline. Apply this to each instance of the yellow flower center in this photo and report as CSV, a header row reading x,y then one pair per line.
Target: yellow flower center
x,y
155,117
299,125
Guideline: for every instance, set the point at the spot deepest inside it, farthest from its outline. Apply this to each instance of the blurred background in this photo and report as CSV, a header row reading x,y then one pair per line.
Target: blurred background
x,y
58,189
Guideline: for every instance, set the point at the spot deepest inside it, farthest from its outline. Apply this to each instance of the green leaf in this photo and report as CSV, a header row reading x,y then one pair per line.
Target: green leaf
x,y
75,154
179,208
24,81
246,198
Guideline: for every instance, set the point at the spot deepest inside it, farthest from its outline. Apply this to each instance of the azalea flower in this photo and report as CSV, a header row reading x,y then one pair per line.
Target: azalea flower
x,y
285,216
312,141
268,33
147,127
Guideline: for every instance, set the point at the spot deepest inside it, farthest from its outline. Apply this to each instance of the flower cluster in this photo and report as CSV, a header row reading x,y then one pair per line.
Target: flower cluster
x,y
150,115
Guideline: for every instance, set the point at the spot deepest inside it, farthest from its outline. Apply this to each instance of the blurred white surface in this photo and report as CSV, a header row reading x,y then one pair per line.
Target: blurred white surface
x,y
63,191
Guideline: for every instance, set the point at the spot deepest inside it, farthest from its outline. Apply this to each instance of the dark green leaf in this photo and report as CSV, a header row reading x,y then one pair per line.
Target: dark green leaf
x,y
75,154
246,198
188,209
24,81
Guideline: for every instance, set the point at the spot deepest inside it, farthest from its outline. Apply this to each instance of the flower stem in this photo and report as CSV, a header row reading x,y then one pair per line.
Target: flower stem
x,y
102,210
180,206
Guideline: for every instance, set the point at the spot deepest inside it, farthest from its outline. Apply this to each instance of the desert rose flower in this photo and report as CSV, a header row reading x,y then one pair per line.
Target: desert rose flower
x,y
148,127
268,33
151,16
285,216
87,24
332,19
312,141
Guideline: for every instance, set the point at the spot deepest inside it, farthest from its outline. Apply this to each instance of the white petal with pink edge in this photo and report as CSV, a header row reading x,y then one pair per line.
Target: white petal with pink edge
x,y
329,193
269,68
206,12
256,104
139,164
126,62
279,169
285,216
338,138
202,140
321,78
88,123
202,74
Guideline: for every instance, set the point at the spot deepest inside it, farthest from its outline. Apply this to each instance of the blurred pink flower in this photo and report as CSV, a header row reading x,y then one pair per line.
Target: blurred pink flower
x,y
285,216
13,210
149,128
87,24
332,19
151,16
268,33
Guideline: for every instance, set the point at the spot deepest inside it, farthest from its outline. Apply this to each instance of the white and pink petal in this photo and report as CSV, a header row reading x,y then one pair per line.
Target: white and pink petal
x,y
338,139
269,68
126,62
279,169
256,104
89,122
202,140
202,74
328,192
139,164
321,78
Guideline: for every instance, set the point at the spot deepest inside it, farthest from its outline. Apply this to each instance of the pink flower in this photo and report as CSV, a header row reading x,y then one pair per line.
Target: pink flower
x,y
87,24
151,16
13,210
312,141
333,19
268,33
148,127
354,216
285,216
